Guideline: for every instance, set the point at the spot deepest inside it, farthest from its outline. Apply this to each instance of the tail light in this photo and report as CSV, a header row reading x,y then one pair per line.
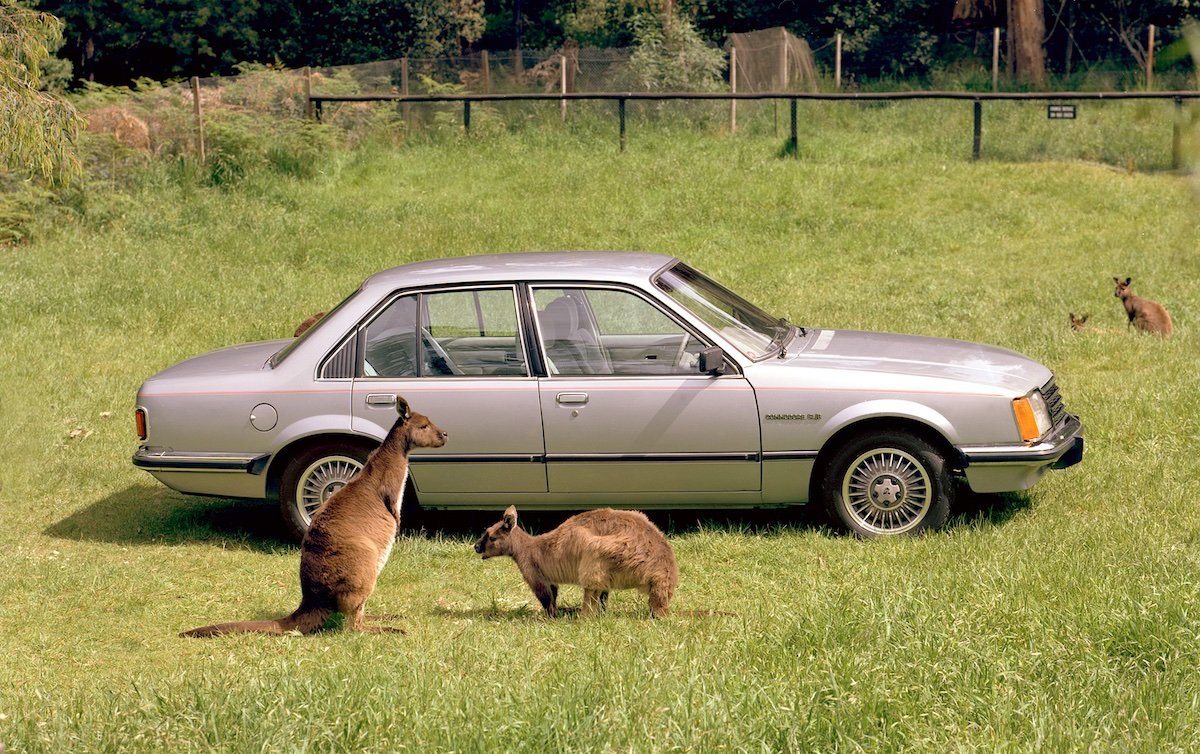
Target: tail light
x,y
139,419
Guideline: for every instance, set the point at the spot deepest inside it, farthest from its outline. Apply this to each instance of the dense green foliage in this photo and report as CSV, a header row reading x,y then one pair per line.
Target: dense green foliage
x,y
36,128
115,42
1062,619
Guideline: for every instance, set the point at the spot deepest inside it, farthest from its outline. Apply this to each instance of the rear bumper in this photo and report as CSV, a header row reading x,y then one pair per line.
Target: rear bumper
x,y
176,461
1019,467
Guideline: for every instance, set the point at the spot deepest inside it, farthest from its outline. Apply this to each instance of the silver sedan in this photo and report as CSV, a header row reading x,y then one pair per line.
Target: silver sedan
x,y
571,380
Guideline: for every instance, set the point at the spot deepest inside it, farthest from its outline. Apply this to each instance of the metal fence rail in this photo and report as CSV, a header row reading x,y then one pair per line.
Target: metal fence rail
x,y
976,98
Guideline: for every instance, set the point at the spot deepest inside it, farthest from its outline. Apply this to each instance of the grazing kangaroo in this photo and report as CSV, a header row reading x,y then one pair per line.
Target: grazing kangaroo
x,y
308,322
1144,314
599,550
350,537
1077,323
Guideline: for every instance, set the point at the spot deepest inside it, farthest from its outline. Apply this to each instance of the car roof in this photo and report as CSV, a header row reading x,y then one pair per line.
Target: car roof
x,y
627,266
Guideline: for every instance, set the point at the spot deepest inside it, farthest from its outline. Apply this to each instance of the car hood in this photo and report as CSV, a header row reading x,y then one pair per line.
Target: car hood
x,y
250,357
919,357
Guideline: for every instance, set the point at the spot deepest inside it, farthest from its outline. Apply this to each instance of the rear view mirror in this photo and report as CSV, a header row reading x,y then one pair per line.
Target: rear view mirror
x,y
712,361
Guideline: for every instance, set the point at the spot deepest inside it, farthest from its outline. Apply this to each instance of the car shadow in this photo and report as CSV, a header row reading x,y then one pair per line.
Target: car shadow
x,y
145,515
974,509
804,518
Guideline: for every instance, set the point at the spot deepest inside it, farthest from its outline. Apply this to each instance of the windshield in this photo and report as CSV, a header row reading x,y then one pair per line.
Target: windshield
x,y
748,328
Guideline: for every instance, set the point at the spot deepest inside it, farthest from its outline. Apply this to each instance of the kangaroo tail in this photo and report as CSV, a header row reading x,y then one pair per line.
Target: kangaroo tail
x,y
303,620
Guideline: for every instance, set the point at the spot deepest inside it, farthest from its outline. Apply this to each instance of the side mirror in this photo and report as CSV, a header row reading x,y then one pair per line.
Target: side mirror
x,y
712,361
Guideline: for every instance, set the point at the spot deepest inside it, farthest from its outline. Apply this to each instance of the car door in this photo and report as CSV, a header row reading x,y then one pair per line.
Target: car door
x,y
625,407
457,356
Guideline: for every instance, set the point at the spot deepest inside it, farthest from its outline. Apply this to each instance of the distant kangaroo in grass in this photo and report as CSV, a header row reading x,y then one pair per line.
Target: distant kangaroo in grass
x,y
1144,314
600,550
308,322
1078,323
350,538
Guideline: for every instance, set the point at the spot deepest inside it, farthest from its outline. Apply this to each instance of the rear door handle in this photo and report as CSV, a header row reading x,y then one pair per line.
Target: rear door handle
x,y
381,399
571,399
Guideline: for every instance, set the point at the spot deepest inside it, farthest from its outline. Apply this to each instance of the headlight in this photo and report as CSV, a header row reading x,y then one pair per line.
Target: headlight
x,y
1033,419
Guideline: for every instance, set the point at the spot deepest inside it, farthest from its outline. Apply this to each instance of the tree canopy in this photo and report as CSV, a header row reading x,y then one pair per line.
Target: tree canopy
x,y
117,42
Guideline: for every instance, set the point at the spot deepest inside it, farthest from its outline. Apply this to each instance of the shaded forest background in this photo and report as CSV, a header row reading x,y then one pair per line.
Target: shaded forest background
x,y
116,42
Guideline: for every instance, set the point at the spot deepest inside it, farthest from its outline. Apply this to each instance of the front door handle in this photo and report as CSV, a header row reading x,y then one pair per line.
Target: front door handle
x,y
571,399
381,399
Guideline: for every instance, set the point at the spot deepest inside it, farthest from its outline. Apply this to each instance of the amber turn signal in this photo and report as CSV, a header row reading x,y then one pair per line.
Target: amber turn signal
x,y
1026,421
139,418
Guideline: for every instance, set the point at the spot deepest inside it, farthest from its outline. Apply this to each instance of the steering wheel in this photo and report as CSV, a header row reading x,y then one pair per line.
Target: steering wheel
x,y
440,360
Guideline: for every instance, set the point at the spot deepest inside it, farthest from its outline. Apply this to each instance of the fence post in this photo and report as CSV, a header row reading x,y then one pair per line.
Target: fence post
x,y
562,62
467,117
996,59
837,61
1150,61
199,117
483,69
978,129
795,142
309,112
1176,157
621,119
405,108
783,59
732,89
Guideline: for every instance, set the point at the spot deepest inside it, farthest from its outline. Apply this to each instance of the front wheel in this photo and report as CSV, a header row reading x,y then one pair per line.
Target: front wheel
x,y
885,484
311,477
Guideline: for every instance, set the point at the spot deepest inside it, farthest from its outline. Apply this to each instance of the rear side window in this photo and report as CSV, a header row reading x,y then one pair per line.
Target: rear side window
x,y
460,333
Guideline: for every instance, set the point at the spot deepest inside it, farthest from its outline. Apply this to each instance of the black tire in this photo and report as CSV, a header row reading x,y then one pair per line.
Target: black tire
x,y
311,477
887,484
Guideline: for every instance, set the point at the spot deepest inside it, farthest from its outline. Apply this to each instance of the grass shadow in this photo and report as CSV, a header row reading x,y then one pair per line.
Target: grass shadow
x,y
975,509
144,515
471,524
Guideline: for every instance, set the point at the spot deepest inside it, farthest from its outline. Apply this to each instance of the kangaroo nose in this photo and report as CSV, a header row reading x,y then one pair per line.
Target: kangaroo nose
x,y
479,547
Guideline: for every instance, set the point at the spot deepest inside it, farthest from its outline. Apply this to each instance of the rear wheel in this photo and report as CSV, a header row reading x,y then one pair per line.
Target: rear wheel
x,y
888,483
311,477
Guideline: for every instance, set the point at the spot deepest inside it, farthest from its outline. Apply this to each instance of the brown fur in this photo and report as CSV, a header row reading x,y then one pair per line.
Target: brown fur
x,y
1078,323
1144,314
350,537
600,550
308,322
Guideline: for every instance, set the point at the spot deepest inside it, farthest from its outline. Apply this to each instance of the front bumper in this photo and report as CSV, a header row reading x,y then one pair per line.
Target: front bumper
x,y
1018,467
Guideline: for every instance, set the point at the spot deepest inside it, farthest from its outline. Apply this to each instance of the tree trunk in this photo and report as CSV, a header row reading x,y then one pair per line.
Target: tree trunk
x,y
1028,26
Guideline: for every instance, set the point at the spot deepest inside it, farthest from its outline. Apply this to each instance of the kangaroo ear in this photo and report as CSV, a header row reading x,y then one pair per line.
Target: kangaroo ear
x,y
1128,281
402,407
1116,280
510,518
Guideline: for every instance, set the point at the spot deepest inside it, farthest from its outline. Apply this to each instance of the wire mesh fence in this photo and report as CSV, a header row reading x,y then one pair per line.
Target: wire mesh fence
x,y
179,118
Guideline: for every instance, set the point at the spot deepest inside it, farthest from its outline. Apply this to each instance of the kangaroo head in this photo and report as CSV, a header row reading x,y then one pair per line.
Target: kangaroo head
x,y
495,540
423,433
1121,288
1077,323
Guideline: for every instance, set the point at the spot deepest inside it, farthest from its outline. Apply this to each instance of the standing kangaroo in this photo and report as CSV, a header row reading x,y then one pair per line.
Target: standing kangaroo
x,y
350,537
1144,314
599,550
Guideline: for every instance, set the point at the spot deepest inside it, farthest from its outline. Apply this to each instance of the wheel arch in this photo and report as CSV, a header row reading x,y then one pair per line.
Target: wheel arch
x,y
281,459
875,425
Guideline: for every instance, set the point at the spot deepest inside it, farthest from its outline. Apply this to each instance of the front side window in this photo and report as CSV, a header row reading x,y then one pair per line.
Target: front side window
x,y
446,334
607,331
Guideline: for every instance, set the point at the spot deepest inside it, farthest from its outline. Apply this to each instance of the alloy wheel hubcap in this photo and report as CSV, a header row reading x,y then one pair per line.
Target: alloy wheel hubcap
x,y
887,491
323,478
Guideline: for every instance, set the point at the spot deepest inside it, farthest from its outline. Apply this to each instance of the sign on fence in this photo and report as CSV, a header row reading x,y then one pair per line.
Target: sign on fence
x,y
1060,112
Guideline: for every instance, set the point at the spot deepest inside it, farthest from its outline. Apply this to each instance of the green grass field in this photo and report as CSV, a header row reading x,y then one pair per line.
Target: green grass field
x,y
1063,619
